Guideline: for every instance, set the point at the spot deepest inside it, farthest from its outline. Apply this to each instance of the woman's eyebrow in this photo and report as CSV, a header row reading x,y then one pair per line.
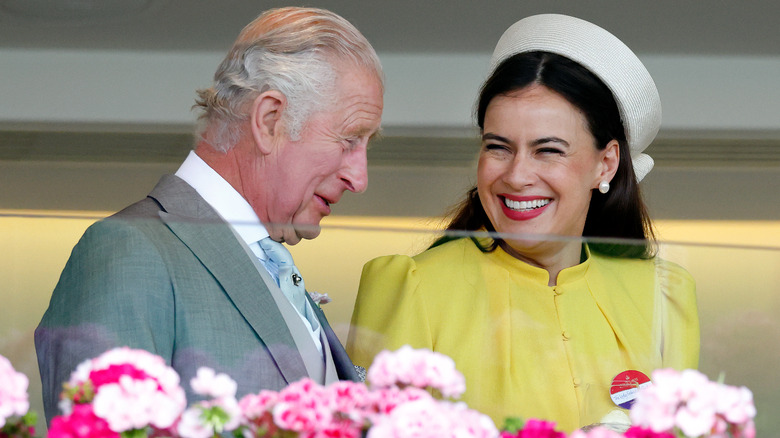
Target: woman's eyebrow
x,y
491,136
544,140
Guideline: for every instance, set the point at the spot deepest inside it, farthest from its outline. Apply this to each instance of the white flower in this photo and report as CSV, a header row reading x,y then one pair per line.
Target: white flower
x,y
135,404
214,416
191,425
209,383
13,392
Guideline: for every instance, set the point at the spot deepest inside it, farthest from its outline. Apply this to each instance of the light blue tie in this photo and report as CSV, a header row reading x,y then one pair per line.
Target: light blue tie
x,y
288,277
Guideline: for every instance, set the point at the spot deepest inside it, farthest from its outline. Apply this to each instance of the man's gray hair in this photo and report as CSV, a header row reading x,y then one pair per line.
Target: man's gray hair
x,y
292,50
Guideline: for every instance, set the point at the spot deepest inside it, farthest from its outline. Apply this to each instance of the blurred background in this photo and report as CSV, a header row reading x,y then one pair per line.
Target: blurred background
x,y
95,100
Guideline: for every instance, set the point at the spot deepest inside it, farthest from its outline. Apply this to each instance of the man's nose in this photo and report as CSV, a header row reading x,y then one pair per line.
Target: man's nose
x,y
355,170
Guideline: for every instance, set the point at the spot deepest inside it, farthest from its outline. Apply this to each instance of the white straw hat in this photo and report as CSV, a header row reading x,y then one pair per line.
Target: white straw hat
x,y
603,55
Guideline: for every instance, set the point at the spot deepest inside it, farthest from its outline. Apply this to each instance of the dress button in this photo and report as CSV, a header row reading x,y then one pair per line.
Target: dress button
x,y
557,290
577,382
565,335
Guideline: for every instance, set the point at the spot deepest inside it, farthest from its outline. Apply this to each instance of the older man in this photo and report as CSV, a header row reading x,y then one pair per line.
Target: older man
x,y
195,272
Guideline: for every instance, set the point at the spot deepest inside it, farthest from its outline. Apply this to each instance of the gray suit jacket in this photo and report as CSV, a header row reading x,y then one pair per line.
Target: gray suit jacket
x,y
168,275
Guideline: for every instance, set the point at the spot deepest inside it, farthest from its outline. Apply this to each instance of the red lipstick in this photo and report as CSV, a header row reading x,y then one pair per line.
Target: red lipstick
x,y
522,215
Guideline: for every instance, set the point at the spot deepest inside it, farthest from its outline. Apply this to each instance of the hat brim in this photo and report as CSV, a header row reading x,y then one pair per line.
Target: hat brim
x,y
605,56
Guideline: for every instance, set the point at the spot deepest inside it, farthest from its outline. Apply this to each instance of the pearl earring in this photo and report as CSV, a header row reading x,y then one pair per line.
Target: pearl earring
x,y
603,187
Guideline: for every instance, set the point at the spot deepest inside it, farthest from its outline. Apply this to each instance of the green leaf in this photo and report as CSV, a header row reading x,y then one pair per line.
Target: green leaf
x,y
513,424
30,418
134,433
216,417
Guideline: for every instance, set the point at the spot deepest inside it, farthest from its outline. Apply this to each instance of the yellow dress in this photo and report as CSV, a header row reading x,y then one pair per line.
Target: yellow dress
x,y
525,348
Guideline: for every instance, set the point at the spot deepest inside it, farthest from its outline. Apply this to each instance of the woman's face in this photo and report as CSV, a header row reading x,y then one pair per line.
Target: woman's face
x,y
538,165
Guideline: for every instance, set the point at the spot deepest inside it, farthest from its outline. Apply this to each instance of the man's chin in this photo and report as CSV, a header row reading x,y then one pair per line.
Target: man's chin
x,y
308,232
294,233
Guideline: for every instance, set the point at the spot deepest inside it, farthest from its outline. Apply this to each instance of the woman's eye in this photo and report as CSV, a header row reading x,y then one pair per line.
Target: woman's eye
x,y
495,147
550,151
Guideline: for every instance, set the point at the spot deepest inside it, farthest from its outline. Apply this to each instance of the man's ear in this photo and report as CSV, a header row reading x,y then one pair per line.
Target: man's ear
x,y
266,119
610,159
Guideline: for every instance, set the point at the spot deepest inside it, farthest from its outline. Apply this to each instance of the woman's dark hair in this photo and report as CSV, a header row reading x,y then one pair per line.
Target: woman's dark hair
x,y
620,213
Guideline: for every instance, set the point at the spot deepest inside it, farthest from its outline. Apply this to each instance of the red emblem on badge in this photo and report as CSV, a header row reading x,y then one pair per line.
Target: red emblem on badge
x,y
625,387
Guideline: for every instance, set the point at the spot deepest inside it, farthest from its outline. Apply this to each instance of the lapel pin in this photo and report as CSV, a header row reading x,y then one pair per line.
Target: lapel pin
x,y
296,279
625,387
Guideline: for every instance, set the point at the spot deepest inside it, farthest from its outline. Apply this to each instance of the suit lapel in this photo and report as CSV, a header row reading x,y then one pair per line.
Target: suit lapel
x,y
212,241
344,366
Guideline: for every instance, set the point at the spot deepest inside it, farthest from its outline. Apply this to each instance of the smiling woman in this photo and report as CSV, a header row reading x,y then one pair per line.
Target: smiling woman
x,y
538,158
539,320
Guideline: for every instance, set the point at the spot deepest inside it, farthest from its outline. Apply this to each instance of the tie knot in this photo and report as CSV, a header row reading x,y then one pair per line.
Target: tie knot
x,y
287,276
277,253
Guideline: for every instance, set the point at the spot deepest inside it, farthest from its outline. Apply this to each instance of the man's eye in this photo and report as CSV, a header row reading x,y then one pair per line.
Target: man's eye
x,y
351,143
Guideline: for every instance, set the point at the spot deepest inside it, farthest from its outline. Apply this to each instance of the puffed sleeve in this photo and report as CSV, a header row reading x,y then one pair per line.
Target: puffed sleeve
x,y
681,317
389,312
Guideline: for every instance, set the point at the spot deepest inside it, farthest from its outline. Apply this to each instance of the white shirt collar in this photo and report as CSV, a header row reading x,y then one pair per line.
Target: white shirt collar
x,y
222,197
229,204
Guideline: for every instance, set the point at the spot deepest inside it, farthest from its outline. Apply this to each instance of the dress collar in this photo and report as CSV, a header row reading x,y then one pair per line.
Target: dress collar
x,y
536,274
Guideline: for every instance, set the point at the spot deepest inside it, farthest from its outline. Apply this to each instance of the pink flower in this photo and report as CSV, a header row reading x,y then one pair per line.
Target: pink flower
x,y
303,389
639,432
145,365
656,405
311,410
748,430
319,298
257,405
666,386
736,404
81,423
534,428
112,373
256,413
13,392
695,422
133,389
654,411
300,417
337,429
687,401
351,400
302,407
425,418
384,401
419,368
691,383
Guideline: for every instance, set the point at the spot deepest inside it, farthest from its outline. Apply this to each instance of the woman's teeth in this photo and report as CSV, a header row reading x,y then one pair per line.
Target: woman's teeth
x,y
525,205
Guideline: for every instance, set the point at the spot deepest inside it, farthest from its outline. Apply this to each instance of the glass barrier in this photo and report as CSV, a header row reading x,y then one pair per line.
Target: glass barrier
x,y
736,298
